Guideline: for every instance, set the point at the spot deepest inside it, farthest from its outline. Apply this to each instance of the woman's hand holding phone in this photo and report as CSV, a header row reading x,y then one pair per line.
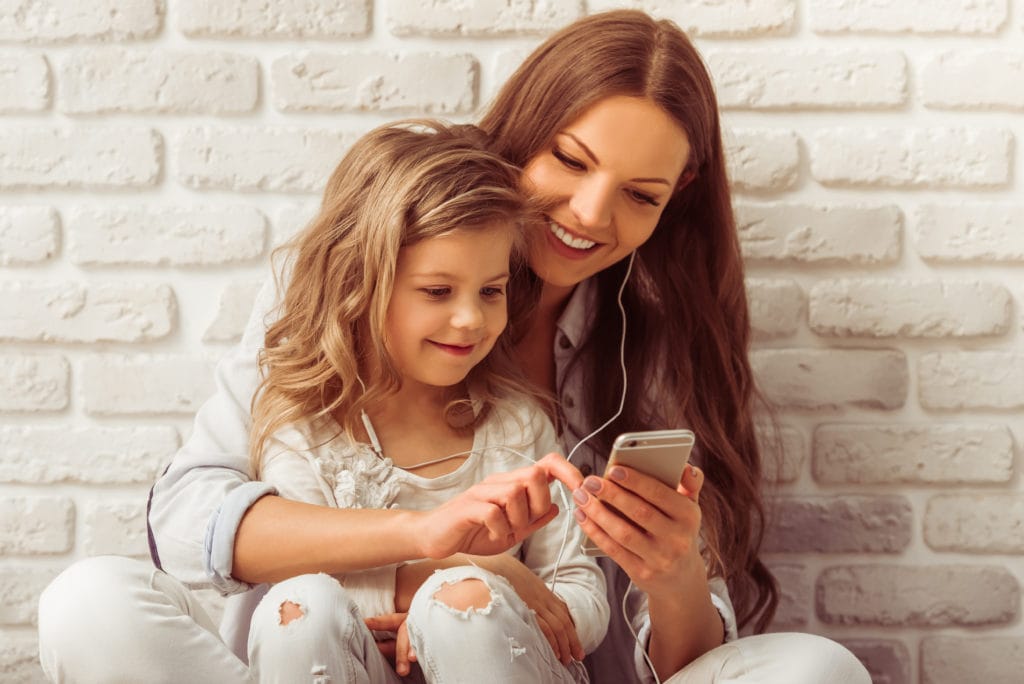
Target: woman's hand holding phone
x,y
653,531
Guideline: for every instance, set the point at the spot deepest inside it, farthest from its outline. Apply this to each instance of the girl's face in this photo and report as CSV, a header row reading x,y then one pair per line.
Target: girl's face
x,y
610,173
448,306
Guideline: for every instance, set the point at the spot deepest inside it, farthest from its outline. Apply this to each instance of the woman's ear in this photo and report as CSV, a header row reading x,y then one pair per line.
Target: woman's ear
x,y
685,179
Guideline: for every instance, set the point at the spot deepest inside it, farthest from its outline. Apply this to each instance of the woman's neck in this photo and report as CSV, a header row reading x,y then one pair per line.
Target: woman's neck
x,y
553,299
535,351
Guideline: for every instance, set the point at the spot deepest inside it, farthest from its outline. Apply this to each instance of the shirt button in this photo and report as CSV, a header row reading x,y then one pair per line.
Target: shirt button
x,y
564,342
586,469
569,403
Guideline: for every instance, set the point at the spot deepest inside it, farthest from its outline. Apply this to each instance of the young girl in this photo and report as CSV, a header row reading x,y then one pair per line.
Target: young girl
x,y
387,386
615,124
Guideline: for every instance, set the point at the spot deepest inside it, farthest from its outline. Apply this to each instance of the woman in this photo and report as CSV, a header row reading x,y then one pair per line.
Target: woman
x,y
614,121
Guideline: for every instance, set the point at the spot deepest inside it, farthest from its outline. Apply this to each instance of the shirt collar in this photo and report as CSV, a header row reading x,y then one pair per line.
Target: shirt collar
x,y
577,317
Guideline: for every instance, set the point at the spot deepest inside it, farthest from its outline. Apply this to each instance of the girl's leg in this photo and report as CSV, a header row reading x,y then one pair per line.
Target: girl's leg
x,y
468,625
307,629
781,658
111,619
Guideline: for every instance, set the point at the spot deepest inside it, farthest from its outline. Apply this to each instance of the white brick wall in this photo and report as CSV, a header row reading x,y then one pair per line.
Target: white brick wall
x,y
152,153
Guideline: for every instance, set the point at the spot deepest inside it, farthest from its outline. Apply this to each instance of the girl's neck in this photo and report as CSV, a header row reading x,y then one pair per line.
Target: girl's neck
x,y
412,429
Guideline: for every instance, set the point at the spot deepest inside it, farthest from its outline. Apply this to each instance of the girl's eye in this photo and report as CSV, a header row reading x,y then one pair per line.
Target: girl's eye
x,y
568,161
436,292
643,198
492,292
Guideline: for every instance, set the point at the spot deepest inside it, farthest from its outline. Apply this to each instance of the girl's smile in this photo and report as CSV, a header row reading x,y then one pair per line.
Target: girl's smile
x,y
455,349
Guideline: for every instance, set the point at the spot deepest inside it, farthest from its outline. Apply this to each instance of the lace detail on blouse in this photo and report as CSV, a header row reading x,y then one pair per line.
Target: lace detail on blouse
x,y
358,477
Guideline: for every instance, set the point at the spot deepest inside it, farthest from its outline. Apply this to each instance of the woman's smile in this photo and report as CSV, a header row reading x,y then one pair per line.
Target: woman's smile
x,y
568,244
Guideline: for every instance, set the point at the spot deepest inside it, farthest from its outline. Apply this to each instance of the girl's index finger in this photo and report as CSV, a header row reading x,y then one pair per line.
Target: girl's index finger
x,y
560,469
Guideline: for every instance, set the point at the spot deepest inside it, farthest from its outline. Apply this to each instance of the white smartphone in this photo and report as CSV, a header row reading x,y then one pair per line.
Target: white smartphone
x,y
662,454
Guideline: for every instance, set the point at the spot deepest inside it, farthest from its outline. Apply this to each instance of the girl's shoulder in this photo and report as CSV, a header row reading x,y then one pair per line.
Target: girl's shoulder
x,y
309,435
520,424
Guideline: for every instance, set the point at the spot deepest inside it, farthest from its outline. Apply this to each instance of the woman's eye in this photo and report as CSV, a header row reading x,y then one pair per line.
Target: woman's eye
x,y
491,292
643,198
436,292
568,161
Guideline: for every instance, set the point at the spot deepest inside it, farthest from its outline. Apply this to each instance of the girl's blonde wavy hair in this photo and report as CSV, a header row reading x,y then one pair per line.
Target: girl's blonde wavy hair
x,y
398,185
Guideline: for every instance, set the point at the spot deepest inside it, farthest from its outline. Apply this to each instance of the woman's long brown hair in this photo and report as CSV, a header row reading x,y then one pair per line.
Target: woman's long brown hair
x,y
686,300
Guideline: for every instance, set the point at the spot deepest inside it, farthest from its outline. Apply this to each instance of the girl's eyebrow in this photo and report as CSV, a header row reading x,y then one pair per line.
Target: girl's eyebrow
x,y
452,276
594,159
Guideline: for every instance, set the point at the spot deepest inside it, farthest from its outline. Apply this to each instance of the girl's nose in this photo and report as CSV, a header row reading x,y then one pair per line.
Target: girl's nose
x,y
467,316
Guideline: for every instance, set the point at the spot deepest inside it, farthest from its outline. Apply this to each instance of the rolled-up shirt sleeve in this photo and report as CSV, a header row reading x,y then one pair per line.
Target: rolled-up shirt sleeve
x,y
219,548
195,507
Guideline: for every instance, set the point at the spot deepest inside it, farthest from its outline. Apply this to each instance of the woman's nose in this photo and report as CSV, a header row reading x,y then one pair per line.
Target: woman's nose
x,y
591,203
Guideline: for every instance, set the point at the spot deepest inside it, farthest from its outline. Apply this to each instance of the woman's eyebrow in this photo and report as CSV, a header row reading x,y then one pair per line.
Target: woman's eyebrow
x,y
594,159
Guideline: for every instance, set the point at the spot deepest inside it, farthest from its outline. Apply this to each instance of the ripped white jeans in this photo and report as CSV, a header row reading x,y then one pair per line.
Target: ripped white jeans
x,y
110,619
325,640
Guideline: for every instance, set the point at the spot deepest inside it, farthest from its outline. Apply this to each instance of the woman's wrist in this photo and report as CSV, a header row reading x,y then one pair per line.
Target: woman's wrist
x,y
684,625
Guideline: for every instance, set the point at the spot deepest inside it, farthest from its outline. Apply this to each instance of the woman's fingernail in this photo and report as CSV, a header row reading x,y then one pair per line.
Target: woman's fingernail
x,y
592,484
580,515
693,471
617,474
580,497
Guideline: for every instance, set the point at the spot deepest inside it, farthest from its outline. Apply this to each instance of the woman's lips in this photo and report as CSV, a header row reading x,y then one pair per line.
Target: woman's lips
x,y
567,251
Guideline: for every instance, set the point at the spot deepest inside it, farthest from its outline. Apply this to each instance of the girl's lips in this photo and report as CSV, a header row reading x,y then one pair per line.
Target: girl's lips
x,y
565,250
454,349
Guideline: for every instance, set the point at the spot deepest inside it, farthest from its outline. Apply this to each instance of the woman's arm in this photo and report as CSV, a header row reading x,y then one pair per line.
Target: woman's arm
x,y
196,505
660,551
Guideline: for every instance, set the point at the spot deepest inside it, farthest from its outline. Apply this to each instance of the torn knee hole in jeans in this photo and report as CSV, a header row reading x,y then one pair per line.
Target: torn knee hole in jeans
x,y
465,597
290,611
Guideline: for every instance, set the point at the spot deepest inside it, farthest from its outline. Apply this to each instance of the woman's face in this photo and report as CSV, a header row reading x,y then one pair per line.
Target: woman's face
x,y
609,175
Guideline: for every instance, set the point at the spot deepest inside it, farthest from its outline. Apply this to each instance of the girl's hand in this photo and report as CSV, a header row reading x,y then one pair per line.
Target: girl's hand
x,y
495,514
552,613
398,651
655,540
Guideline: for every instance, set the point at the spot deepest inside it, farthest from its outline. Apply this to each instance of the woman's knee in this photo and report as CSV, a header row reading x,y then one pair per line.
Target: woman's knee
x,y
813,658
91,590
89,608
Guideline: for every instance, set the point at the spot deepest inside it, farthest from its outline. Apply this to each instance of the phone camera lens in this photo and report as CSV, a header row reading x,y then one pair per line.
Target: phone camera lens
x,y
632,443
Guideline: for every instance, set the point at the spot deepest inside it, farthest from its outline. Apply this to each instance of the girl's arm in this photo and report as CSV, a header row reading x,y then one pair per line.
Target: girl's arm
x,y
276,539
576,578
